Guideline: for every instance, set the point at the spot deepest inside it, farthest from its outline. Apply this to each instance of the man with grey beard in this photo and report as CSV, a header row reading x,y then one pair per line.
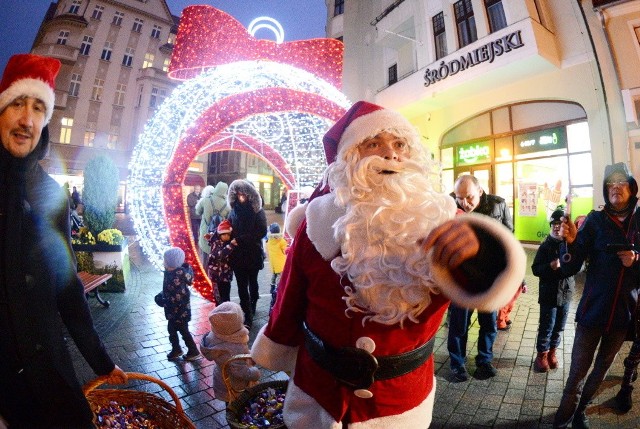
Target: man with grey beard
x,y
376,257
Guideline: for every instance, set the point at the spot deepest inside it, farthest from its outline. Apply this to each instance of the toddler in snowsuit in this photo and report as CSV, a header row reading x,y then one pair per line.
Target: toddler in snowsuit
x,y
277,252
178,276
218,268
228,337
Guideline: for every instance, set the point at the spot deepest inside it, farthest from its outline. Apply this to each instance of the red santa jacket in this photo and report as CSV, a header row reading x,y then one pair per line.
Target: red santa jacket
x,y
312,292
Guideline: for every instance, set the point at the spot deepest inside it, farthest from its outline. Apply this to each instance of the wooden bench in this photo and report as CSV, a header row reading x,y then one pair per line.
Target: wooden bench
x,y
91,283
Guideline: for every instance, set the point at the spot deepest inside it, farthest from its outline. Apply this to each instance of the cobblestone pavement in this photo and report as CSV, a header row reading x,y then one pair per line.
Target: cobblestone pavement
x,y
134,331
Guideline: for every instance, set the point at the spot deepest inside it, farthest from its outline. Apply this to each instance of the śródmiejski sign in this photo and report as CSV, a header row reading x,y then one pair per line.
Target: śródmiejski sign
x,y
485,53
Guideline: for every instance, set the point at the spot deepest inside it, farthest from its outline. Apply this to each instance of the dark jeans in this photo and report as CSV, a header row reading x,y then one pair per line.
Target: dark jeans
x,y
552,321
459,321
183,328
248,291
577,392
631,363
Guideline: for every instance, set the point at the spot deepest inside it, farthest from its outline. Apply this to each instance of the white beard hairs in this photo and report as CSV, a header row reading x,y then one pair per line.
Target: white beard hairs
x,y
385,215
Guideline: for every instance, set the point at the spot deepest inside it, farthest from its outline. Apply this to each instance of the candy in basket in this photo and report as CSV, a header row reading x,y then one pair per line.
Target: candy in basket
x,y
257,407
133,409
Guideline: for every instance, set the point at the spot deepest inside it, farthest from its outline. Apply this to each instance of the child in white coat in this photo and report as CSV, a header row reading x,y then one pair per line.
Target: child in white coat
x,y
228,337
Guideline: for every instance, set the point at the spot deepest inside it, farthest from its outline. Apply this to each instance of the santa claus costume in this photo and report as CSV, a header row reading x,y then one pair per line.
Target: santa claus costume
x,y
359,302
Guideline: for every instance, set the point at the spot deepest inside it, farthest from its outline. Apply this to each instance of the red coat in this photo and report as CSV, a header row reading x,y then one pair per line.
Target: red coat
x,y
311,292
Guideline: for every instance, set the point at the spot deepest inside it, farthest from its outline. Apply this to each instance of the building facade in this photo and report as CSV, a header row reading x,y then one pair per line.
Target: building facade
x,y
115,56
533,97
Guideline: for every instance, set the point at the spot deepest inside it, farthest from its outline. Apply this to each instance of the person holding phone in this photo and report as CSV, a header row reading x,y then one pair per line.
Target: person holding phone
x,y
606,309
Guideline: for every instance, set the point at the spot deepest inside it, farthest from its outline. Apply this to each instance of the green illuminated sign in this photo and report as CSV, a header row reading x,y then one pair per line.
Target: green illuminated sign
x,y
537,141
473,153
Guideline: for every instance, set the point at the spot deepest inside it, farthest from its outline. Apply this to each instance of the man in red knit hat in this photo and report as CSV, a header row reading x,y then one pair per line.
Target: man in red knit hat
x,y
374,262
38,281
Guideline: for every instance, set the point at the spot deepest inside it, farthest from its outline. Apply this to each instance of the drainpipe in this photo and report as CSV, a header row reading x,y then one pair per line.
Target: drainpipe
x,y
604,90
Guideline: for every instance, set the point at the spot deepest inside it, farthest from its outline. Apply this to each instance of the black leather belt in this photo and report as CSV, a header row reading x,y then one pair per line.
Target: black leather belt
x,y
357,368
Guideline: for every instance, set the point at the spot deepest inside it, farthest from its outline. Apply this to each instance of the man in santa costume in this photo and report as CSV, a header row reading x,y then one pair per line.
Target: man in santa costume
x,y
375,260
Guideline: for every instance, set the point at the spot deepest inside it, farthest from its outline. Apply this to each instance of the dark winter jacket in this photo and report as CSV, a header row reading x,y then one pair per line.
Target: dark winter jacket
x,y
556,288
38,289
177,297
249,224
218,268
611,290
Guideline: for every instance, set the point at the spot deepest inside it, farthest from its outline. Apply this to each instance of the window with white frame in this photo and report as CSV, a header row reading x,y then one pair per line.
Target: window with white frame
x,y
157,97
495,12
90,134
112,138
75,6
106,51
85,47
148,60
165,65
74,85
137,25
338,7
466,22
127,59
98,88
63,35
439,35
156,31
66,124
117,18
97,12
121,90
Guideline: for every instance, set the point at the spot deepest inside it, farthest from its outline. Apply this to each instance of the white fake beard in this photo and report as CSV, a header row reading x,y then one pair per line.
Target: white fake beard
x,y
385,216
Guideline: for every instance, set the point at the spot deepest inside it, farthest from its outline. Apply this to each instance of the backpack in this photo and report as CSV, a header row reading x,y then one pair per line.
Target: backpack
x,y
215,221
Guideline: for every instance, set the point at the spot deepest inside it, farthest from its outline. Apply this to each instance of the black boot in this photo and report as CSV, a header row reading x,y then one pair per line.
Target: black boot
x,y
580,419
623,399
248,315
254,304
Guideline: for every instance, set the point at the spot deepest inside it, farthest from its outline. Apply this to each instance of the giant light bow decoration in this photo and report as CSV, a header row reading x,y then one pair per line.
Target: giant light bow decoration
x,y
272,100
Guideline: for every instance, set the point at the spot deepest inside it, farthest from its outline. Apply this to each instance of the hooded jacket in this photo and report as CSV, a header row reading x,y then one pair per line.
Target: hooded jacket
x,y
249,224
611,290
213,200
177,297
38,288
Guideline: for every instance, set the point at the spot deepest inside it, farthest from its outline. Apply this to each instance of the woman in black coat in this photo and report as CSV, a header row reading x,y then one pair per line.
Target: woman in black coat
x,y
249,224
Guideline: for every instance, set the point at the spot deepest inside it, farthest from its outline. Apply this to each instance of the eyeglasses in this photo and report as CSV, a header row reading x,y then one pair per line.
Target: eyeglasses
x,y
619,183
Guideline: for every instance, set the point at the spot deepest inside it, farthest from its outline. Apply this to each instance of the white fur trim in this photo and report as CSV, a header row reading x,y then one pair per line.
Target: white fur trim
x,y
269,354
301,411
371,124
294,219
322,213
505,285
30,87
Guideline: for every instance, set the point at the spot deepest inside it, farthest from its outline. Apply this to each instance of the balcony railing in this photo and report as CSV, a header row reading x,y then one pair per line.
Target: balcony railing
x,y
65,53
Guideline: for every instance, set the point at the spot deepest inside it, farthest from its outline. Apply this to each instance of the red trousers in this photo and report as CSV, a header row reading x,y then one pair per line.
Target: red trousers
x,y
503,313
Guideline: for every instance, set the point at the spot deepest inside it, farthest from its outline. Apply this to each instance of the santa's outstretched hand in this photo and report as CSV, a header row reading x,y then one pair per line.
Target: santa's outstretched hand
x,y
452,243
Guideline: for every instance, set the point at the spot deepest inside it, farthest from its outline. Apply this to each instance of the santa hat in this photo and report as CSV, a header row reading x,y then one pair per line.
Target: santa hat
x,y
28,75
362,121
226,319
224,227
173,257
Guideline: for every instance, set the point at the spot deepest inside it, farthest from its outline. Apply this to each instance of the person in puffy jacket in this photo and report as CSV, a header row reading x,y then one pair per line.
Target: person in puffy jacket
x,y
249,224
607,307
228,337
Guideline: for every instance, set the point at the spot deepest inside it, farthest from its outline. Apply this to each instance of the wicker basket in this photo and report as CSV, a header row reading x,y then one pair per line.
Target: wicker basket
x,y
238,399
163,414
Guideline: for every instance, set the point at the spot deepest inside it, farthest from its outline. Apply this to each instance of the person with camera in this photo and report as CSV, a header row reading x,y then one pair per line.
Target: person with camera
x,y
605,313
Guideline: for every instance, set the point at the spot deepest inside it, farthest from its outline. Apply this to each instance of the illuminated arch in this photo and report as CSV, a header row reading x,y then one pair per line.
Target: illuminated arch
x,y
223,105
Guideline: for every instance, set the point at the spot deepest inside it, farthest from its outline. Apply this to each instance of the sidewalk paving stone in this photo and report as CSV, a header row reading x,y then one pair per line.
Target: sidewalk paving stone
x,y
134,331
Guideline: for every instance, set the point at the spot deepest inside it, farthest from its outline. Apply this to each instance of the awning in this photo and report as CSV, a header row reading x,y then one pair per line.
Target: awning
x,y
193,180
